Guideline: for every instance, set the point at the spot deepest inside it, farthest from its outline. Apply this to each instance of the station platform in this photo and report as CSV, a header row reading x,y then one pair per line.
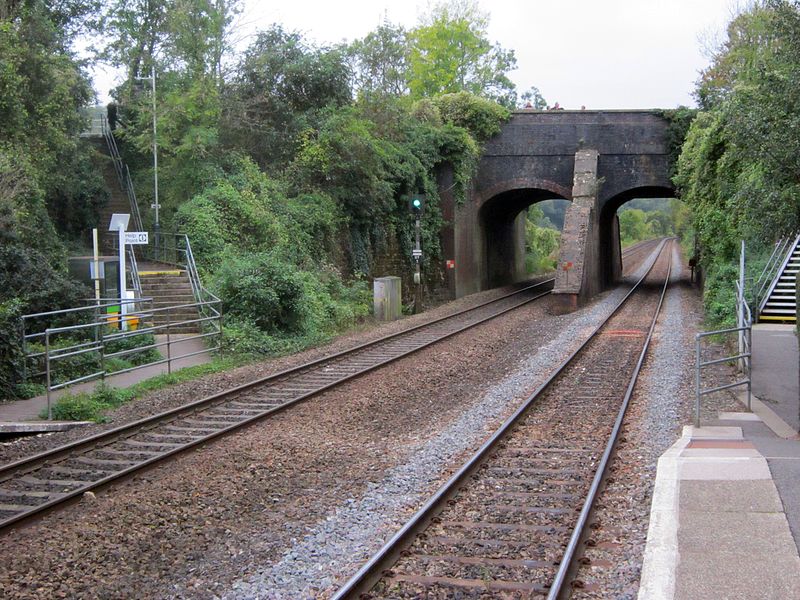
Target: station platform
x,y
725,515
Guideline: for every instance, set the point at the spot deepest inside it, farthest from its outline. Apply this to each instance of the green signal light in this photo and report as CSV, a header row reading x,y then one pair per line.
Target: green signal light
x,y
416,203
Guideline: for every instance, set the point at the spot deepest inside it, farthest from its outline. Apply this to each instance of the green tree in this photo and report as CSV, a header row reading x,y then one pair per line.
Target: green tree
x,y
281,87
633,226
739,167
533,97
450,52
542,241
379,62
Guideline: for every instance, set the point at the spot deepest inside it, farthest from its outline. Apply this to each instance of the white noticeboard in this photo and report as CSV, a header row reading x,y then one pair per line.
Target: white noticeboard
x,y
136,237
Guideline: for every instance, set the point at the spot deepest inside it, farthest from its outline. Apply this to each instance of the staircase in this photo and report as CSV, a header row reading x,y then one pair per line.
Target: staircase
x,y
168,286
117,203
780,302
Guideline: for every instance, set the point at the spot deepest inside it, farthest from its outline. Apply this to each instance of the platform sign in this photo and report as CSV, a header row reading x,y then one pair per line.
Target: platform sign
x,y
136,237
416,253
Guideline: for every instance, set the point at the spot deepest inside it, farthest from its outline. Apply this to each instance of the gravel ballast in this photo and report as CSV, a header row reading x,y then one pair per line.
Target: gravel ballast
x,y
340,542
662,403
291,506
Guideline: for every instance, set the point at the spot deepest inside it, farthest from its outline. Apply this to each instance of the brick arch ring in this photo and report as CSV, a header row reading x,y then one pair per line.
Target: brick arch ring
x,y
521,183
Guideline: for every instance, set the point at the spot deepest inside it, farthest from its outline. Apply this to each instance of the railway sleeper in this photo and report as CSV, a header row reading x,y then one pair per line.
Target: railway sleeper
x,y
446,585
51,483
501,569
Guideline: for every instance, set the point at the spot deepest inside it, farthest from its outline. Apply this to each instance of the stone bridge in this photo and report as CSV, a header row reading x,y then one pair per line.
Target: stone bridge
x,y
596,159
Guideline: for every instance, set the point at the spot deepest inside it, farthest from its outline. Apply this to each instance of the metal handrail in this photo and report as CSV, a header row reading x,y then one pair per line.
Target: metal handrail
x,y
136,281
123,173
99,344
744,355
175,248
766,273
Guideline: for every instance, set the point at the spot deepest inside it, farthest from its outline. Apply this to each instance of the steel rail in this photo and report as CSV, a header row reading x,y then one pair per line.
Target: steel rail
x,y
98,441
566,565
370,572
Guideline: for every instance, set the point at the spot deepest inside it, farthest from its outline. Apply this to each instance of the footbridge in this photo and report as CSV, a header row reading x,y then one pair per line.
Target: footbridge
x,y
598,160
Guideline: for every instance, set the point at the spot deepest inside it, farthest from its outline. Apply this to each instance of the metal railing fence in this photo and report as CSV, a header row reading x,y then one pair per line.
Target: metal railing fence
x,y
768,279
175,249
744,333
123,174
95,338
97,330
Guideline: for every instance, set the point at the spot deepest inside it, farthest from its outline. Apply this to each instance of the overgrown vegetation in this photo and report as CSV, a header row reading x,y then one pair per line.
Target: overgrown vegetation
x,y
542,241
92,406
289,165
291,171
738,170
648,218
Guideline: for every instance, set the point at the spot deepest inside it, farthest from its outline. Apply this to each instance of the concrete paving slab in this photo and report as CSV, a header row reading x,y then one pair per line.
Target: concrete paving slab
x,y
657,581
708,575
738,416
730,496
41,426
693,432
721,453
714,468
771,419
775,370
755,534
783,457
720,443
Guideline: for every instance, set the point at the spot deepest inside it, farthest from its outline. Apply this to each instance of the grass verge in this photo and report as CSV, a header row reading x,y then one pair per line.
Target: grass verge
x,y
91,406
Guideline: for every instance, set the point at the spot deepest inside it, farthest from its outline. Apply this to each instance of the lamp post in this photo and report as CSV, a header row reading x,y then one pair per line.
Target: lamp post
x,y
156,205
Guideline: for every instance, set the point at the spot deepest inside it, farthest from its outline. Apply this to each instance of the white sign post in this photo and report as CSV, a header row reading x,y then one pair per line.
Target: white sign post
x,y
119,222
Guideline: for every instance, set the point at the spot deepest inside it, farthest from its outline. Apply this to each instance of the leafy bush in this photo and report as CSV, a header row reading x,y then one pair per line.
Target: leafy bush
x,y
131,342
541,243
10,348
262,288
77,407
481,117
720,294
24,391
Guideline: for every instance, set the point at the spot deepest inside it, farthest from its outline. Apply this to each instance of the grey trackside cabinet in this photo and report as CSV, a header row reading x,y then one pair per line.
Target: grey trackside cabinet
x,y
386,297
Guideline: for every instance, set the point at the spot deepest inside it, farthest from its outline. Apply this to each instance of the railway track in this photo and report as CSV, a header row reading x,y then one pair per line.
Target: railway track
x,y
511,521
42,482
640,249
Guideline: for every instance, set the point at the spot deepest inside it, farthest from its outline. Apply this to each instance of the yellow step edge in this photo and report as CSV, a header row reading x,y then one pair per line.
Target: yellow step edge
x,y
161,273
769,318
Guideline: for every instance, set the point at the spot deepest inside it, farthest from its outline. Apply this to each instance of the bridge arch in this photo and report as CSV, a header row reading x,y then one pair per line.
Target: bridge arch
x,y
595,159
502,219
610,242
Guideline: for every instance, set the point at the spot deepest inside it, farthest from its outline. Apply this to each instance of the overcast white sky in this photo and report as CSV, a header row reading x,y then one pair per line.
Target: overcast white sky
x,y
597,53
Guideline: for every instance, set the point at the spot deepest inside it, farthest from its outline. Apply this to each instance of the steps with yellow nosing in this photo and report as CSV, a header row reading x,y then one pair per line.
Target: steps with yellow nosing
x,y
781,303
